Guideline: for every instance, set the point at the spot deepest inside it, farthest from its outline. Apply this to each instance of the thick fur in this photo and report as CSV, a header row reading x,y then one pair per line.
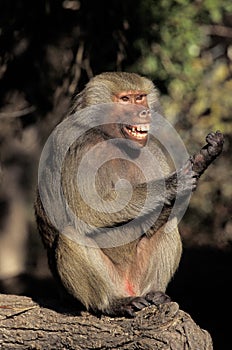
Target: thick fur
x,y
110,279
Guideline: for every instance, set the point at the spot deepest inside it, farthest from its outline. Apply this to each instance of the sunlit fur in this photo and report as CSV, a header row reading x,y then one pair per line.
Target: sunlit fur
x,y
104,279
103,87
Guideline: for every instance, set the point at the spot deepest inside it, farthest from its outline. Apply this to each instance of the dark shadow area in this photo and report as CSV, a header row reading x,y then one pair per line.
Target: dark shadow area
x,y
30,286
203,287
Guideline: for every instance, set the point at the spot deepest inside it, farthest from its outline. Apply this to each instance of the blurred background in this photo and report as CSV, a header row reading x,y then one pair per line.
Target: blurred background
x,y
49,49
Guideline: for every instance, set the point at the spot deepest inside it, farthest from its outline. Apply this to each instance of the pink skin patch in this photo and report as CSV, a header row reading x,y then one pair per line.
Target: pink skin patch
x,y
129,288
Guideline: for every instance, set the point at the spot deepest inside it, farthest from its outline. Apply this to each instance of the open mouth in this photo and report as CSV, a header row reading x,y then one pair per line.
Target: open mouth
x,y
138,132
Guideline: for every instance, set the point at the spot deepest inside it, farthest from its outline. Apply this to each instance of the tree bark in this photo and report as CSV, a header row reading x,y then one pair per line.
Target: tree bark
x,y
26,324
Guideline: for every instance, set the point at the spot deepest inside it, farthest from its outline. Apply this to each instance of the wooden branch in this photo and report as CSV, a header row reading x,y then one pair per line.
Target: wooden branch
x,y
25,324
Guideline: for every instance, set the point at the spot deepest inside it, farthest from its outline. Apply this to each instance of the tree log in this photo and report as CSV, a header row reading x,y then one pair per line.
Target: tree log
x,y
26,324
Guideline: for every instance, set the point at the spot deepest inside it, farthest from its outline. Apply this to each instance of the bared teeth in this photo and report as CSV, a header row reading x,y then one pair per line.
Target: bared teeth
x,y
139,128
138,131
142,128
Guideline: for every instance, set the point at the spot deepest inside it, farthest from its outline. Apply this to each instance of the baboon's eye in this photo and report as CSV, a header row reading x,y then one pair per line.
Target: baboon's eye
x,y
125,98
140,97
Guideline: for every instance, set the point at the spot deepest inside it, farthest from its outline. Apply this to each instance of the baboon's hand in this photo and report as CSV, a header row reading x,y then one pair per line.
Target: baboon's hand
x,y
208,153
215,142
187,178
181,183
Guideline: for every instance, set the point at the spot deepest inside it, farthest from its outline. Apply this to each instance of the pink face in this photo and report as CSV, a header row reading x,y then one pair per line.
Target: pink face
x,y
136,132
135,97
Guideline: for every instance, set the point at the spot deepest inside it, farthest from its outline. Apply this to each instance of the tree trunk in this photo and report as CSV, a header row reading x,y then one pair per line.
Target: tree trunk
x,y
25,324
